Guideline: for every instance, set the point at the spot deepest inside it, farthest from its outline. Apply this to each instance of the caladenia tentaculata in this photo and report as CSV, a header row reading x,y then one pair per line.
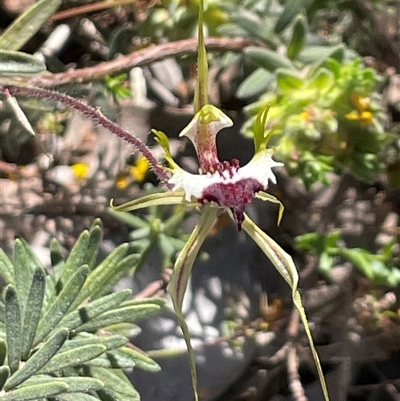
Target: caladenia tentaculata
x,y
219,187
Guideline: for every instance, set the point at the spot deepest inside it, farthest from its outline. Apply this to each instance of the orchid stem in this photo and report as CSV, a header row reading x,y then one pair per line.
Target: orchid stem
x,y
95,115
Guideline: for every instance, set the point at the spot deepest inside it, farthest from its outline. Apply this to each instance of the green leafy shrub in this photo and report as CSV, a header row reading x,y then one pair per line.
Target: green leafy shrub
x,y
55,344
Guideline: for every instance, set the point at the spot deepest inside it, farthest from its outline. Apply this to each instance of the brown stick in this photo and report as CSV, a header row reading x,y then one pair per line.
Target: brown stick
x,y
138,58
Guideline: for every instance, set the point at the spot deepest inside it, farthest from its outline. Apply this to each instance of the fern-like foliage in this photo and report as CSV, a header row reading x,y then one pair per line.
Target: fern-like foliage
x,y
63,332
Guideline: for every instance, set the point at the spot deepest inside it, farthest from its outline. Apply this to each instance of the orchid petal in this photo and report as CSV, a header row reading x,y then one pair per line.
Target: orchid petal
x,y
271,198
180,277
166,198
260,138
285,266
162,139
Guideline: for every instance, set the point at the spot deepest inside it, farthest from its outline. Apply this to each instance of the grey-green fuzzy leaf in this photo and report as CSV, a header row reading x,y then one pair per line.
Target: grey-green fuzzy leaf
x,y
95,237
3,351
13,328
112,381
27,24
75,259
14,63
33,310
76,384
73,357
22,273
267,59
100,275
292,7
39,359
62,303
36,391
126,314
6,268
80,316
141,360
4,373
110,342
55,253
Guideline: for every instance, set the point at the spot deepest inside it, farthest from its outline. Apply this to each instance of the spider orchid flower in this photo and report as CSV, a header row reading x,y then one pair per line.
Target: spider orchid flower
x,y
219,186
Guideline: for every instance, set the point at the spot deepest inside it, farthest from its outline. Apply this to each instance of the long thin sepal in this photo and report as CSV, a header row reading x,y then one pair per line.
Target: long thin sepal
x,y
285,266
180,277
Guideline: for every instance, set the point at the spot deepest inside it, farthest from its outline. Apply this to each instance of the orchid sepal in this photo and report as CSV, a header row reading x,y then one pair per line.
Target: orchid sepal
x,y
181,274
283,262
158,199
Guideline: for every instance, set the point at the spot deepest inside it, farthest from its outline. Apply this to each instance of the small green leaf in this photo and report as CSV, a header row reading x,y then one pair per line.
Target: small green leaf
x,y
14,63
57,310
76,397
6,267
298,40
76,384
39,359
4,374
101,275
33,310
292,7
323,79
255,84
288,80
76,356
87,312
125,314
13,328
37,391
75,259
27,24
267,58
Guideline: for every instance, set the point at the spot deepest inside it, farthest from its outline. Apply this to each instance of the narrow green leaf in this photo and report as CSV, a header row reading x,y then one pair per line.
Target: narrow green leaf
x,y
73,357
180,277
95,237
62,303
22,273
93,309
14,63
33,310
267,58
37,391
27,24
161,302
127,314
13,328
75,259
292,7
287,269
255,84
298,40
113,381
39,359
4,374
3,351
101,275
6,267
